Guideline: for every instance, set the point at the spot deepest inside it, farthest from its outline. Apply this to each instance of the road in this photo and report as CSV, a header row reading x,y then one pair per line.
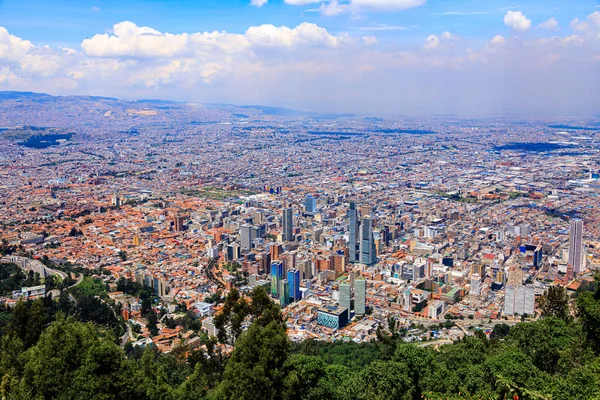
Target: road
x,y
55,292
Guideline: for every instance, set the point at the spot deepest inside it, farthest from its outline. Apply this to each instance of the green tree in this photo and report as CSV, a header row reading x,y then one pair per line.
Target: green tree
x,y
256,367
555,303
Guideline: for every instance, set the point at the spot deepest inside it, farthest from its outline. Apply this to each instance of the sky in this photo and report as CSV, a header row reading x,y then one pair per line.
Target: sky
x,y
376,57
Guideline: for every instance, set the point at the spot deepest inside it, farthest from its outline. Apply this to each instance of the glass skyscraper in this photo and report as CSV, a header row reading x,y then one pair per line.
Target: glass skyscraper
x,y
287,223
353,225
293,278
276,277
310,204
360,296
368,252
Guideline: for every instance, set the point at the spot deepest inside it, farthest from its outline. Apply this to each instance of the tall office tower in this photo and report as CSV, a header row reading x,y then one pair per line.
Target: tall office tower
x,y
360,296
353,233
178,224
284,293
293,278
576,246
276,277
247,234
233,252
289,258
115,201
258,217
310,204
276,250
368,253
345,296
287,224
307,269
519,299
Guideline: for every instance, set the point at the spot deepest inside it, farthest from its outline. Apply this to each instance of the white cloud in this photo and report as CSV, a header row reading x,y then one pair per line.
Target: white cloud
x,y
12,48
258,3
305,33
551,24
431,43
497,40
517,20
369,40
95,8
334,8
132,41
592,24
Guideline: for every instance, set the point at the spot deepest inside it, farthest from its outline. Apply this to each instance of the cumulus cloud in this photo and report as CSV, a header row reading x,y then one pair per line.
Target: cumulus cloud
x,y
131,41
432,42
590,26
12,48
497,40
517,20
551,24
258,3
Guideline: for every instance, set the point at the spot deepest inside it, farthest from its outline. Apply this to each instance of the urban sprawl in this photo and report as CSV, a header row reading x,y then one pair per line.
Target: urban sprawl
x,y
444,225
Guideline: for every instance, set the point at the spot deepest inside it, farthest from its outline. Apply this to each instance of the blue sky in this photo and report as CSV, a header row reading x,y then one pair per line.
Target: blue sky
x,y
66,22
340,55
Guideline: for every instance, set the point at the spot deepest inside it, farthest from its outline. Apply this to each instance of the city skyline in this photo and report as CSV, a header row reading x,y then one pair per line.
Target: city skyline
x,y
378,57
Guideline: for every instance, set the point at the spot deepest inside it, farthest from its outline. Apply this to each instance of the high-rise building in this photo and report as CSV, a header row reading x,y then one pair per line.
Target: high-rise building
x,y
284,293
289,259
287,223
345,297
576,259
276,277
310,204
368,253
360,296
115,201
178,224
247,234
353,233
276,249
519,299
293,278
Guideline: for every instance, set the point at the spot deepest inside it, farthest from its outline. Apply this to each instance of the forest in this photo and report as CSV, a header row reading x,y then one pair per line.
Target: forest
x,y
58,350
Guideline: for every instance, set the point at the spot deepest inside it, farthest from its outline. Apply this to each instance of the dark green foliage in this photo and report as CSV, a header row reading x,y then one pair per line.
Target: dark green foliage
x,y
46,355
555,303
11,278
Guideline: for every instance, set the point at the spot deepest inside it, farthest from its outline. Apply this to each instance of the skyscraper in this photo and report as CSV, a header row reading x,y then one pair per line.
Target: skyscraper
x,y
276,277
345,296
247,234
360,296
353,233
368,253
576,246
284,293
287,223
310,204
293,278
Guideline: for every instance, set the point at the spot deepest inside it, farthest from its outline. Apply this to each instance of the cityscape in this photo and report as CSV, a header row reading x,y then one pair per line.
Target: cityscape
x,y
191,249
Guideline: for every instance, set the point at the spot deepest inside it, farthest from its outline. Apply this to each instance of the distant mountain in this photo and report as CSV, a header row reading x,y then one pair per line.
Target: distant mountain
x,y
265,110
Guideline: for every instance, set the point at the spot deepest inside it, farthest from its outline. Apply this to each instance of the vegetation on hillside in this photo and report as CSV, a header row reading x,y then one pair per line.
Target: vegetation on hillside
x,y
46,354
